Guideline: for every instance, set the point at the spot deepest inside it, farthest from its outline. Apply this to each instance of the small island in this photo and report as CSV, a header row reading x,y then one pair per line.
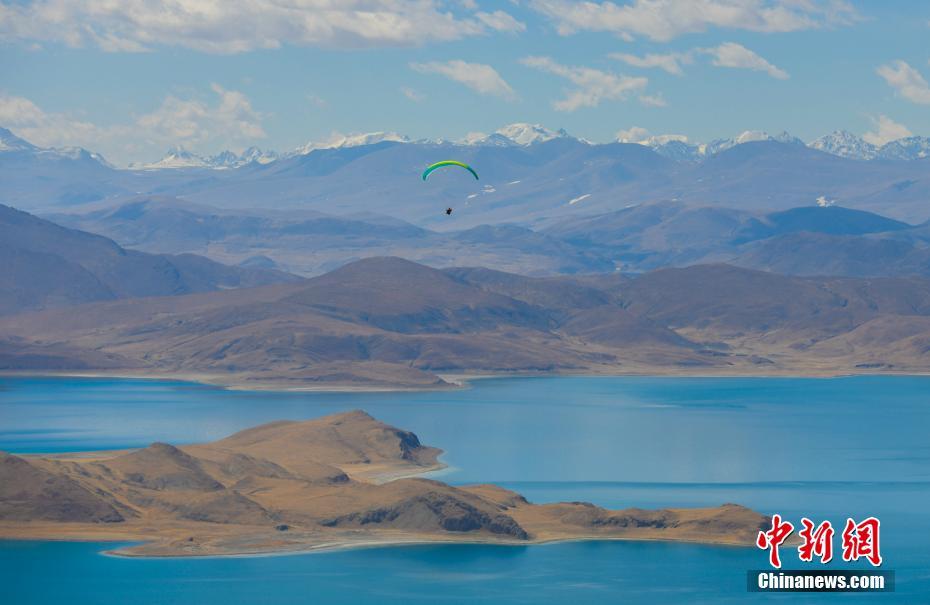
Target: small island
x,y
338,481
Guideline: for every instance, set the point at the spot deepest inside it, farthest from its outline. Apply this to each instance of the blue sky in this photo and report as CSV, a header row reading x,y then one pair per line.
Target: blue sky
x,y
131,78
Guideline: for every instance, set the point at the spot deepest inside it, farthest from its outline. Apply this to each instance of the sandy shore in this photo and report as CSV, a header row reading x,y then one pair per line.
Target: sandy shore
x,y
456,381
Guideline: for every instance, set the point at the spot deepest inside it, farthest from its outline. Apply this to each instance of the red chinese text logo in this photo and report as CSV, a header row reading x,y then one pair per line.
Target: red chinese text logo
x,y
816,541
861,540
774,538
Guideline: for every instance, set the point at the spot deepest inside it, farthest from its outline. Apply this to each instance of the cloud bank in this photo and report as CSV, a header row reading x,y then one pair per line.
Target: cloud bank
x,y
219,26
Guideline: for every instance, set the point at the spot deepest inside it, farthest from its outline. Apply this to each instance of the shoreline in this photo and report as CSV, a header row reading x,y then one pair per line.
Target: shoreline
x,y
343,545
328,547
453,381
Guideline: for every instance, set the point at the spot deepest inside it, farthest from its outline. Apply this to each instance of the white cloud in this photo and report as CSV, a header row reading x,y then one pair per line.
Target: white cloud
x,y
592,85
501,21
670,62
634,134
656,100
731,54
479,77
886,130
642,136
412,94
230,27
190,122
42,128
663,20
728,54
907,81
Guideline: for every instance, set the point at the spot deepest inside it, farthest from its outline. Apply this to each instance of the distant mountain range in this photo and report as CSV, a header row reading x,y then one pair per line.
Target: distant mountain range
x,y
840,143
384,321
310,243
530,176
513,134
178,157
809,240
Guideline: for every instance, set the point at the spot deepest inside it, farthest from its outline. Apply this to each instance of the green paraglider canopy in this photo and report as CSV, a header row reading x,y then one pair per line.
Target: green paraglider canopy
x,y
432,167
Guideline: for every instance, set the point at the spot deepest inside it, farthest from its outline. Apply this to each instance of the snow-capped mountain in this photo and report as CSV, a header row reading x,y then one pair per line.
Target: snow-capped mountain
x,y
672,146
747,136
261,156
178,157
676,149
353,140
522,133
224,159
517,134
846,145
11,142
230,159
908,148
486,140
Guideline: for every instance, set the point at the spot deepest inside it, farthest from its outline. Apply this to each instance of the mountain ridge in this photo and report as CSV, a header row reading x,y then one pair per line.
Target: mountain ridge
x,y
46,265
388,322
841,143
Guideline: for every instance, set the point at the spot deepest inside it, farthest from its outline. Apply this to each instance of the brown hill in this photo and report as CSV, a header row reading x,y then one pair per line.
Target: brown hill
x,y
402,296
418,505
298,485
325,448
162,467
728,301
390,322
31,493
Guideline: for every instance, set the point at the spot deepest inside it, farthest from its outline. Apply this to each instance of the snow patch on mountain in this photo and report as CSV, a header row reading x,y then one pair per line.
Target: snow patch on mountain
x,y
580,198
908,148
846,145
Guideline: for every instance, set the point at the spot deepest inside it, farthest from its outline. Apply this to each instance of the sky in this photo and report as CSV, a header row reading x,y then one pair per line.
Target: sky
x,y
132,78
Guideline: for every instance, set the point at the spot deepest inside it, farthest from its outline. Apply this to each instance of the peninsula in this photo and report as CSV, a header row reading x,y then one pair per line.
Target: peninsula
x,y
338,481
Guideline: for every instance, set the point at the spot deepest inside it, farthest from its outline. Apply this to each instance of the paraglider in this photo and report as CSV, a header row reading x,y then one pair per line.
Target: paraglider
x,y
429,170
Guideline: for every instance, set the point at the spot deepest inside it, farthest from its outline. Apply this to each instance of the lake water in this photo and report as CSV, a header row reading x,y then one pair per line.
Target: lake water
x,y
822,448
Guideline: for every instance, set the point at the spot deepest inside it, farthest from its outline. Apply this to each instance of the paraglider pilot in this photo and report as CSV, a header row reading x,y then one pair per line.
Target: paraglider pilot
x,y
432,167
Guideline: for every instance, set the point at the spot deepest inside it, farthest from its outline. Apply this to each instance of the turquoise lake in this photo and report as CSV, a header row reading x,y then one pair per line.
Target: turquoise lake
x,y
822,448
